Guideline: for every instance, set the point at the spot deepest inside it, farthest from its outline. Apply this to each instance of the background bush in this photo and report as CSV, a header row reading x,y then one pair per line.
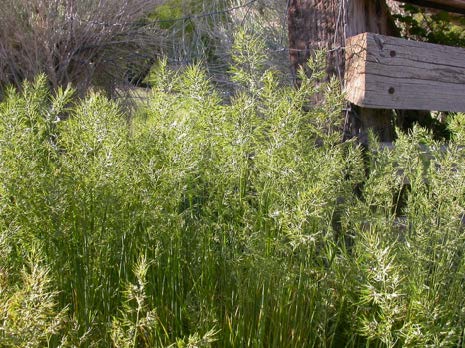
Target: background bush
x,y
86,43
433,26
112,44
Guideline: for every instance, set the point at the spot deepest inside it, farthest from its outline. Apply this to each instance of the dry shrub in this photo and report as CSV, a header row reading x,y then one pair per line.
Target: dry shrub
x,y
83,42
203,30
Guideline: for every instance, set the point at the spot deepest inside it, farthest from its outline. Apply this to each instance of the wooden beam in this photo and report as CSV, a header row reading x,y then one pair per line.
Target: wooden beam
x,y
457,6
392,73
316,24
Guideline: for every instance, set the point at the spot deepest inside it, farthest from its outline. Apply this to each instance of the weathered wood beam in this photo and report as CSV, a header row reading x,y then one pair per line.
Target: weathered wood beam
x,y
457,6
392,73
316,24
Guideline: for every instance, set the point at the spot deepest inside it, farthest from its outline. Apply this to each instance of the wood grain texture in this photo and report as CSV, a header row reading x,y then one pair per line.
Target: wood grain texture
x,y
324,24
317,24
387,72
313,25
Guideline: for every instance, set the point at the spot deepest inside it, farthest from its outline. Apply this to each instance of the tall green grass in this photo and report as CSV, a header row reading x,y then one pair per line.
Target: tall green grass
x,y
201,223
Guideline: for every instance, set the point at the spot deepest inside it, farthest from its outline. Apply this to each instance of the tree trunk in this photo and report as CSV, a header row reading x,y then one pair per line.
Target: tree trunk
x,y
324,24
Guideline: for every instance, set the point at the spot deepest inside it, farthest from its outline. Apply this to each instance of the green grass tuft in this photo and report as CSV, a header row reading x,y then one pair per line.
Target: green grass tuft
x,y
211,224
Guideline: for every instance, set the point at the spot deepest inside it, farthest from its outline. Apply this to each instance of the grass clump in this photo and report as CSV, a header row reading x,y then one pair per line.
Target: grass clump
x,y
209,224
28,310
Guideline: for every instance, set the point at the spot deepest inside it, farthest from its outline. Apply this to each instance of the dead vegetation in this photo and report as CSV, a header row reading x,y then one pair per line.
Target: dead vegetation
x,y
83,42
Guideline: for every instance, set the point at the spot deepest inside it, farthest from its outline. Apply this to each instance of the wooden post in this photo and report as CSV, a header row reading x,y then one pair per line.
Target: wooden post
x,y
317,24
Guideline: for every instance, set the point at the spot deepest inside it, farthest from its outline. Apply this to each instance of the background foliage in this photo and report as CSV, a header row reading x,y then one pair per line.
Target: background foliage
x,y
100,44
111,45
432,26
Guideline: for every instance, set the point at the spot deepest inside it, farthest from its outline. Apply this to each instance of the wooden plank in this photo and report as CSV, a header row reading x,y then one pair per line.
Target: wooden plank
x,y
457,6
392,73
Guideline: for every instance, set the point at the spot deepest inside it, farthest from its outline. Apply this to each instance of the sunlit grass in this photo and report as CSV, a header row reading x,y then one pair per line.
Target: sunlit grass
x,y
204,224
